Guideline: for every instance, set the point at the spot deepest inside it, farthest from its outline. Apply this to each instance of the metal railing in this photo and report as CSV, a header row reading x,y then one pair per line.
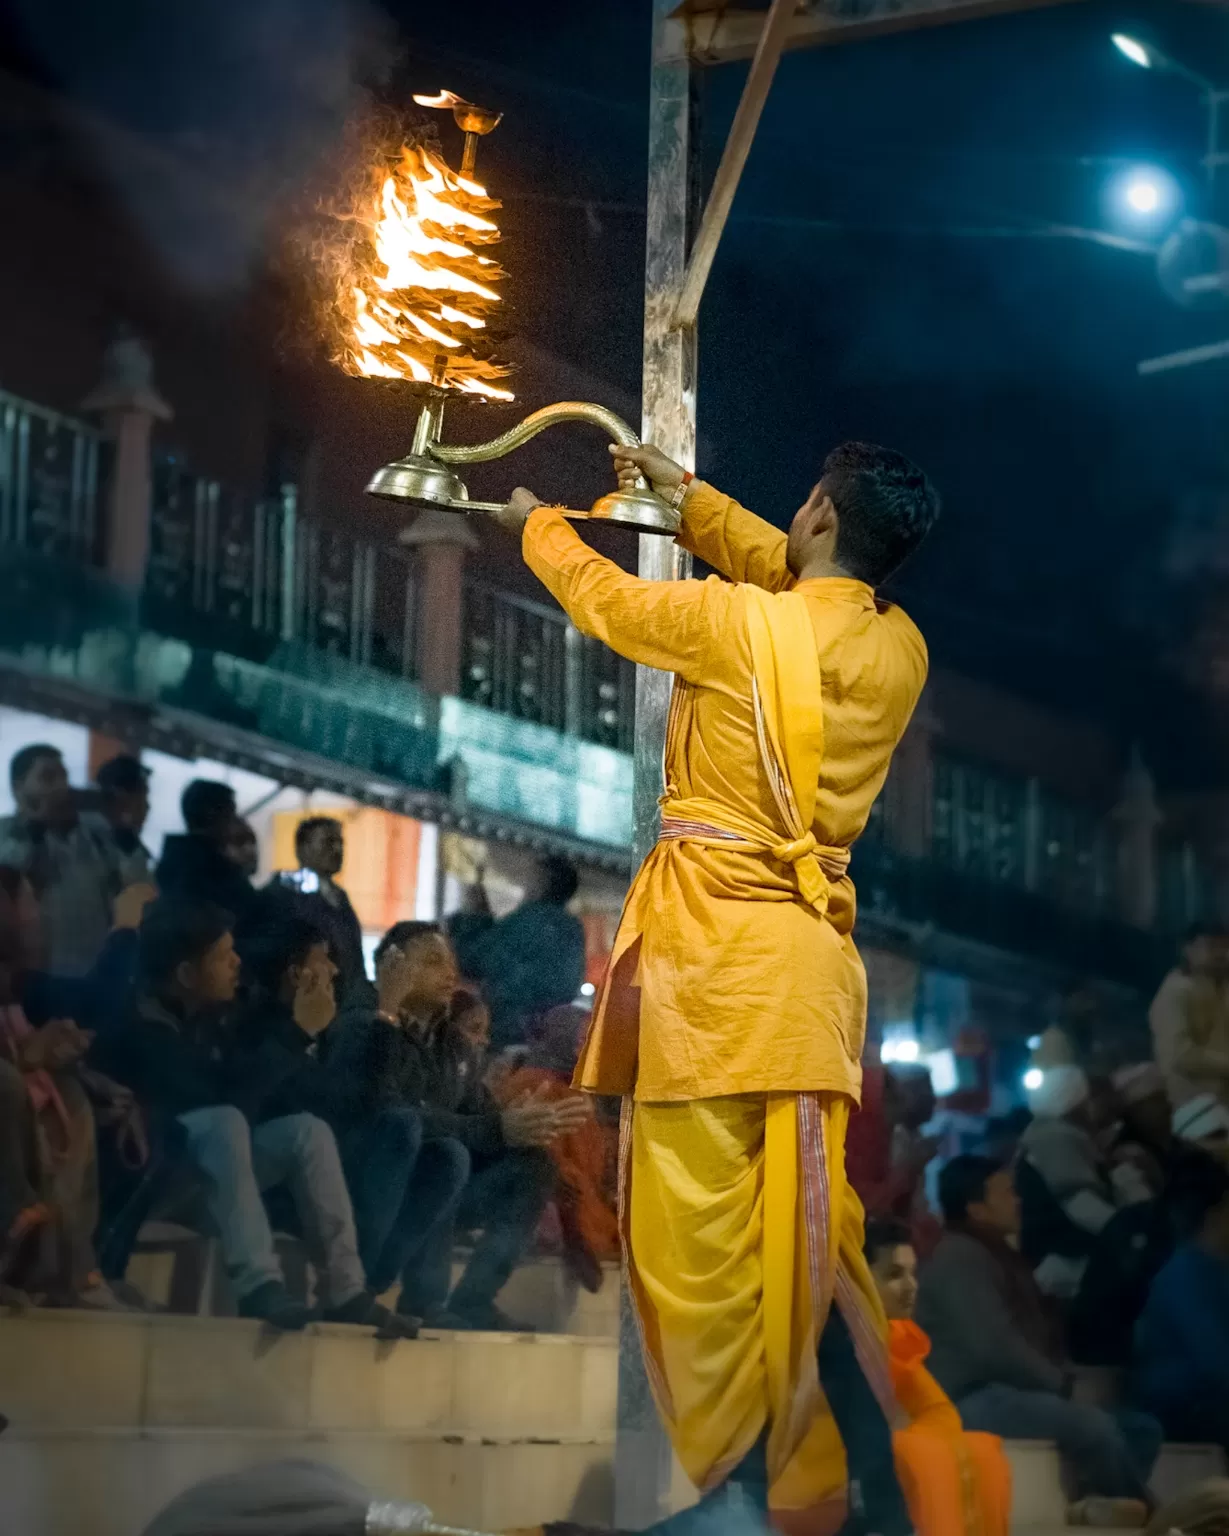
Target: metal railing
x,y
525,659
51,473
255,573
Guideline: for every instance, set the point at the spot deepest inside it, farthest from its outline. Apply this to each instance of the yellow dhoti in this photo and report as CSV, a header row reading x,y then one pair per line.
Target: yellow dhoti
x,y
740,1233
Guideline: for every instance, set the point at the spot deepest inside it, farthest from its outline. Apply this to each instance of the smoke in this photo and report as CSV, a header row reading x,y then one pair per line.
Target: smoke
x,y
212,119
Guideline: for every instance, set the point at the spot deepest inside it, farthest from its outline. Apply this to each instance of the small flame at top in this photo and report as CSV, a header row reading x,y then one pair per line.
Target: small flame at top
x,y
418,304
444,99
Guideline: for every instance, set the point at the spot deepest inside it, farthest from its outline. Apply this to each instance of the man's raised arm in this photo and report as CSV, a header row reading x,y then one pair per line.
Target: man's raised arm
x,y
732,540
676,626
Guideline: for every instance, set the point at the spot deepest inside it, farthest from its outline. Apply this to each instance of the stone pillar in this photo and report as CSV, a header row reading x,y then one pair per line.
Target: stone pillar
x,y
443,540
129,405
912,785
1137,818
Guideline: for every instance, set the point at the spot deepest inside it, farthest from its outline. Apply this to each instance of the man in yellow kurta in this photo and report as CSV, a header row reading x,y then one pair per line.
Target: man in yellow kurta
x,y
734,1012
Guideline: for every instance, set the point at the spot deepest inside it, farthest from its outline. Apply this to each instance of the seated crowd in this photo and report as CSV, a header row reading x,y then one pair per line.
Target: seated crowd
x,y
224,1060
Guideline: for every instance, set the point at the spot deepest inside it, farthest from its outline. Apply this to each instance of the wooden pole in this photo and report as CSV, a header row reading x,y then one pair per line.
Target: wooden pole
x,y
642,1455
768,51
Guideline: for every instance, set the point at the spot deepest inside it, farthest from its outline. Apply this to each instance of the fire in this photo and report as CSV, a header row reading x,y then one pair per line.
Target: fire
x,y
418,306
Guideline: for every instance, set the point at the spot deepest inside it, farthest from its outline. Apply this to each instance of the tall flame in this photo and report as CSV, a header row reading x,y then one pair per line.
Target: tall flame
x,y
418,304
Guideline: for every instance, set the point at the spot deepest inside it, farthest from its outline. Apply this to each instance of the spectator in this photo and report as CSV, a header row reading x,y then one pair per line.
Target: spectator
x,y
70,858
242,849
529,961
1203,1122
400,1188
412,1056
178,1063
932,1451
886,1155
1182,1342
1068,1190
320,846
123,784
48,1147
1145,1134
994,1351
196,864
1190,1018
586,1157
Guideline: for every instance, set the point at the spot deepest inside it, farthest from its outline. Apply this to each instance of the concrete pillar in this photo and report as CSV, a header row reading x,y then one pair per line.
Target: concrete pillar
x,y
129,405
443,540
1137,818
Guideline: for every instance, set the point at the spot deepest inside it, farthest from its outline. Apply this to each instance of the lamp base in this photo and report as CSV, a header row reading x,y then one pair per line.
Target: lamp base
x,y
419,478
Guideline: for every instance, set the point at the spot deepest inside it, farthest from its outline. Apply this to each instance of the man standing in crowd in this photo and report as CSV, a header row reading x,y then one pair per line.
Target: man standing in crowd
x,y
734,1010
1190,1018
528,962
177,1057
414,1057
71,858
123,784
320,847
994,1353
196,863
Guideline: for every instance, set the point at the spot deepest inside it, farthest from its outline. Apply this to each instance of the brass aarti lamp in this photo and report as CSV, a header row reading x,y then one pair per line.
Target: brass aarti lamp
x,y
420,311
425,475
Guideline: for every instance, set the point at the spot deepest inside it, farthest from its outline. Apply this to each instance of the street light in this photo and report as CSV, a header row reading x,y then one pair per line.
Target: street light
x,y
1137,52
1146,195
1148,57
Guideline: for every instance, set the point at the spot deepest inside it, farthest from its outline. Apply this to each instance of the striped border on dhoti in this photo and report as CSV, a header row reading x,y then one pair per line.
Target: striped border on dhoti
x,y
678,829
836,1289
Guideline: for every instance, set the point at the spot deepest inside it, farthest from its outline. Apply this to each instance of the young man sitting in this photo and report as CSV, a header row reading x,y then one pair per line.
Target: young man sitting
x,y
399,1187
993,1351
176,1055
410,1055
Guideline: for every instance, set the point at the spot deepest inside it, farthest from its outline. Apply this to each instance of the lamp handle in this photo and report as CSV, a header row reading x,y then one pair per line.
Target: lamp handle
x,y
537,421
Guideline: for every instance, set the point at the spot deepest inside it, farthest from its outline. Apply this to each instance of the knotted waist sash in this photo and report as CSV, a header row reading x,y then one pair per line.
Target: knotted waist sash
x,y
816,868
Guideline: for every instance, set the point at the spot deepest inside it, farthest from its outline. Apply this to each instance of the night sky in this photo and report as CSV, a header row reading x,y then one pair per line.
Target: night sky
x,y
891,272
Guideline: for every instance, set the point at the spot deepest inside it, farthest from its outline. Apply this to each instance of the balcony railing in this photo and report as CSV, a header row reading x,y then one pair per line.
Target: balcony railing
x,y
51,470
253,574
524,659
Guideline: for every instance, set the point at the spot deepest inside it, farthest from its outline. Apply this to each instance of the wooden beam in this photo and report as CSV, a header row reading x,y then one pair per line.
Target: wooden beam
x,y
775,29
718,34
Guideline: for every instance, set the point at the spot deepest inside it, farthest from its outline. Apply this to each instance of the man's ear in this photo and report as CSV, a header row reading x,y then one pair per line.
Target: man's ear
x,y
184,975
825,519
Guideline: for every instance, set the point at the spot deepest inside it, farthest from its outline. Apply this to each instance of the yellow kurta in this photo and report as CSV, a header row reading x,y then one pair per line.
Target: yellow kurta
x,y
722,980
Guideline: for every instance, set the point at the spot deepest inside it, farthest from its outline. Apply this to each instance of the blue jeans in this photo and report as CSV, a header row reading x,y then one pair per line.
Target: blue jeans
x,y
504,1198
405,1190
1110,1453
240,1161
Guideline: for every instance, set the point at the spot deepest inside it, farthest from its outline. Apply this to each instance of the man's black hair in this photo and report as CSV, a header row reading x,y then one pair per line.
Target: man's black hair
x,y
305,829
962,1183
402,935
174,931
885,503
207,805
272,943
124,775
24,760
884,1234
560,882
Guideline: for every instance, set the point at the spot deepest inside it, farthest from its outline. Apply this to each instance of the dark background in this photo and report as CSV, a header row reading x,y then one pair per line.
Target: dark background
x,y
891,272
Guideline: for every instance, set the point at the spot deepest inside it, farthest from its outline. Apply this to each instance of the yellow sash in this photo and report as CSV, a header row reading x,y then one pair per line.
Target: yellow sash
x,y
787,693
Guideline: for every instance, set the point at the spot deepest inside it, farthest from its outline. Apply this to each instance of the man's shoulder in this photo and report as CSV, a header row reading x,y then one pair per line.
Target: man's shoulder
x,y
956,1250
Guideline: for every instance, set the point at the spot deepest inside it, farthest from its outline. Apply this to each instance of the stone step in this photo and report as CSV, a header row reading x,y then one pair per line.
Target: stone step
x,y
112,1482
70,1370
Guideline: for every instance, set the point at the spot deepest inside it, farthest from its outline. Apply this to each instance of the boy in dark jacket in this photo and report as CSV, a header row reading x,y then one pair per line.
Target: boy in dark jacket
x,y
407,1054
179,1060
400,1188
